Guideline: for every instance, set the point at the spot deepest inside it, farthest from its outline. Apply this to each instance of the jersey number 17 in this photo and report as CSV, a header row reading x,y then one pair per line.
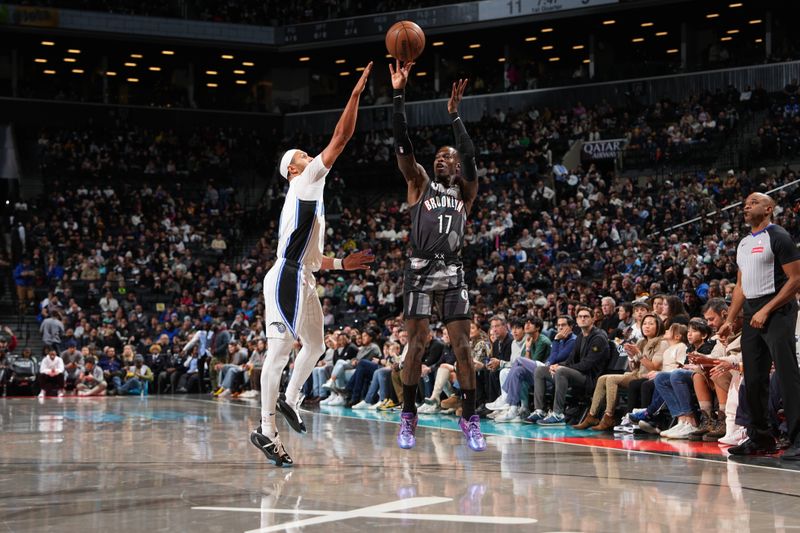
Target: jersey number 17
x,y
442,228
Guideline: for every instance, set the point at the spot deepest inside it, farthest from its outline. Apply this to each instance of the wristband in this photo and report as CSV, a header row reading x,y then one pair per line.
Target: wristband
x,y
338,264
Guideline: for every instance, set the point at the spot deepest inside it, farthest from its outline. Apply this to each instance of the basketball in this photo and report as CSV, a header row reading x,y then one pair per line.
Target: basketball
x,y
405,40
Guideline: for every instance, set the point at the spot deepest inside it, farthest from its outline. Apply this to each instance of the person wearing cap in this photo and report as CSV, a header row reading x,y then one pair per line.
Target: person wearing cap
x,y
137,377
293,310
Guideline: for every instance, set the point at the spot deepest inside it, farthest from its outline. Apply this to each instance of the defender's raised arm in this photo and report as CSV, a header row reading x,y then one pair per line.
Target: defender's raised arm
x,y
347,122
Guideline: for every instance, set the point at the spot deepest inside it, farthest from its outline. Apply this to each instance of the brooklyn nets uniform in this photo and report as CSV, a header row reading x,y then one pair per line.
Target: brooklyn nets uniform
x,y
289,286
434,274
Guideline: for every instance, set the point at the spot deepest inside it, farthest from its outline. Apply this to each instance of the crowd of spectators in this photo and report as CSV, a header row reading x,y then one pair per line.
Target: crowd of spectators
x,y
123,149
779,135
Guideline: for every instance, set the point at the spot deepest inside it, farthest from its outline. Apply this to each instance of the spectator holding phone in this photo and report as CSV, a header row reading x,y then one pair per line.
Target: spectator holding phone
x,y
644,357
676,387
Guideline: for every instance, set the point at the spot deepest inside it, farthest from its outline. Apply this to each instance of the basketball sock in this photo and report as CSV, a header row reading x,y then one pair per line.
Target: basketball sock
x,y
705,407
268,428
278,351
410,398
467,403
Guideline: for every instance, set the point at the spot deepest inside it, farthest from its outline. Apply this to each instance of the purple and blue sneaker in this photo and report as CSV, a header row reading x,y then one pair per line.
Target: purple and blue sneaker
x,y
408,424
472,432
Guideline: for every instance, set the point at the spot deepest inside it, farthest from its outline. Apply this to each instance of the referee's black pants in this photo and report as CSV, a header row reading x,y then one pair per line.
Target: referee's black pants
x,y
773,343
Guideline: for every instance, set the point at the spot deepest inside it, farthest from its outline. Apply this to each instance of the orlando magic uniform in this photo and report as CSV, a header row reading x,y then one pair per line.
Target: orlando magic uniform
x,y
292,305
434,274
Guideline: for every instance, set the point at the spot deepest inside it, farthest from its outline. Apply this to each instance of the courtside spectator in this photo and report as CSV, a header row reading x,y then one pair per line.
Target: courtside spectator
x,y
51,374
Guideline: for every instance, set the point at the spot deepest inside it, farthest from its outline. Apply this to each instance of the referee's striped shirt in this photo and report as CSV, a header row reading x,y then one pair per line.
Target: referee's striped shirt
x,y
761,257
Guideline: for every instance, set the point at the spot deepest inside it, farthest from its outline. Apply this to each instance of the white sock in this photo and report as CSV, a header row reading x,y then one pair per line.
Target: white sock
x,y
278,351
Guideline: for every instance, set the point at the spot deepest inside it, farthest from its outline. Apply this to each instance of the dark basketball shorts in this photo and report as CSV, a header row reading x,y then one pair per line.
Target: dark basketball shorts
x,y
433,283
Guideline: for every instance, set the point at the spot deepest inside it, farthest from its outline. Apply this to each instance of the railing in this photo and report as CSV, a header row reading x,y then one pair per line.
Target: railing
x,y
645,90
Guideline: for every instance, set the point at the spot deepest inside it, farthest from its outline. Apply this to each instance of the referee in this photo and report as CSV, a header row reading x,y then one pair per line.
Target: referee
x,y
768,278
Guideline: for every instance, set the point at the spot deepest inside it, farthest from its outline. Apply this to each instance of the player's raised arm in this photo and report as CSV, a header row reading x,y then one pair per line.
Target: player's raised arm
x,y
464,146
412,171
347,122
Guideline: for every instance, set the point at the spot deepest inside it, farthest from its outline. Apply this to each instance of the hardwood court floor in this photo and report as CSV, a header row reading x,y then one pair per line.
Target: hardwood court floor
x,y
185,464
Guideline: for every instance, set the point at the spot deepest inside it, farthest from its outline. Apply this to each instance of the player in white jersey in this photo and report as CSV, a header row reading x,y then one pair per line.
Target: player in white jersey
x,y
293,310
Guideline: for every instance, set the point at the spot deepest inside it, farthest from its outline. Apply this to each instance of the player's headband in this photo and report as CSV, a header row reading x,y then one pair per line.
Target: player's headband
x,y
286,160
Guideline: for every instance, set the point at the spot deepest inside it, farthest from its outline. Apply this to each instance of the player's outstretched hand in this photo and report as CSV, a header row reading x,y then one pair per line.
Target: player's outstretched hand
x,y
362,81
358,261
456,95
399,73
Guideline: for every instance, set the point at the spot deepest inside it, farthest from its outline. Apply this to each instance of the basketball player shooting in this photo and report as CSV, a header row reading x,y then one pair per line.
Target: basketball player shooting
x,y
434,274
293,310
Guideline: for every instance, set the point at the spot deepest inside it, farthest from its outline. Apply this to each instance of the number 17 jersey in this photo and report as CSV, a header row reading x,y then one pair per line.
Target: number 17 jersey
x,y
438,222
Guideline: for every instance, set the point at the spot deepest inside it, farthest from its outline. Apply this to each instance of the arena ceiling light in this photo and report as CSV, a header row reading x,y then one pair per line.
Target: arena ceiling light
x,y
469,56
587,61
672,51
340,61
647,24
501,59
77,71
661,34
226,56
530,39
155,69
554,59
732,32
248,64
111,73
759,40
69,60
304,59
422,73
168,52
49,72
344,73
712,15
438,43
578,47
212,85
239,72
133,80
73,51
137,56
388,56
547,30
547,47
241,82
476,45
755,21
609,22
48,43
726,39
359,69
211,72
737,4
129,64
637,40
40,60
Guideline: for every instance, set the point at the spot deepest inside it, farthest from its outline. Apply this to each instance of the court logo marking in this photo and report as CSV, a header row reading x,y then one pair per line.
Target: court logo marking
x,y
383,511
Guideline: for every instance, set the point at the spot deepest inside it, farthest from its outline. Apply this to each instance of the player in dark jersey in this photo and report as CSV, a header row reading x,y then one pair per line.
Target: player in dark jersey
x,y
434,274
